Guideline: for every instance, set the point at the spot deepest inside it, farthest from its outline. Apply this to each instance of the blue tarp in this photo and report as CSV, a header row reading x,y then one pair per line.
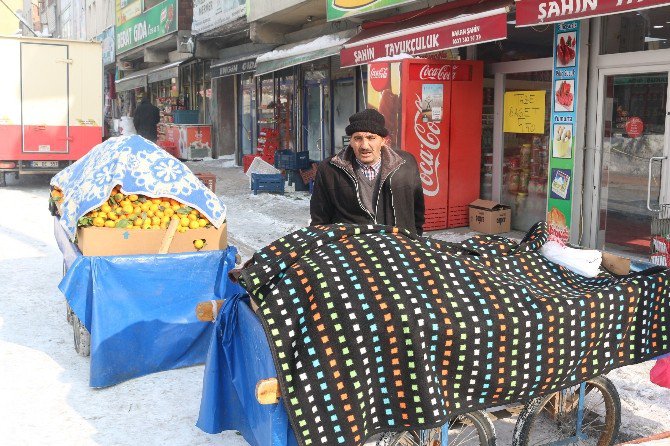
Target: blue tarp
x,y
239,356
139,167
140,310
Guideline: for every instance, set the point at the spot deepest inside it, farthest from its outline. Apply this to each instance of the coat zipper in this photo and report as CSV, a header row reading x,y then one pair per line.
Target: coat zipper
x,y
381,185
373,218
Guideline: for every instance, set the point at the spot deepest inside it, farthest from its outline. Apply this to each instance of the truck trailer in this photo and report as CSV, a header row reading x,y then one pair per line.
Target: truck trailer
x,y
51,103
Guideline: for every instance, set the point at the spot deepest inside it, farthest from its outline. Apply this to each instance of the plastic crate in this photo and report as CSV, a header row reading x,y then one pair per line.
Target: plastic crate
x,y
293,177
287,159
267,183
186,116
247,160
209,179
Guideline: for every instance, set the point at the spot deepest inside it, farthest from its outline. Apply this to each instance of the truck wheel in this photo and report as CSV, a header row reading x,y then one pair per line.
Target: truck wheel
x,y
3,181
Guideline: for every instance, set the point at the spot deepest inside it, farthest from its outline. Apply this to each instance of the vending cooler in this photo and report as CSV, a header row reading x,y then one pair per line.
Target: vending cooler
x,y
433,109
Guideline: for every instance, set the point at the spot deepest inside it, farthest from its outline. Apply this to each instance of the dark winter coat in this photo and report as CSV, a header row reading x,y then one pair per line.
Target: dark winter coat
x,y
400,203
146,117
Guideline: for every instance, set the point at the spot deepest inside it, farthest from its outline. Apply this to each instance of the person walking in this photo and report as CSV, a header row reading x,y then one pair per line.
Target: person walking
x,y
147,116
368,182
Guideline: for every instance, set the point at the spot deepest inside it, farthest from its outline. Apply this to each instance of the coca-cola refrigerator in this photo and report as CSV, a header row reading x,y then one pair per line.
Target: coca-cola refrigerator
x,y
433,109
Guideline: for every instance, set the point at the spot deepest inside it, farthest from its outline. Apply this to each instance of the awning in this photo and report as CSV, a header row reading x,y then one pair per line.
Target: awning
x,y
301,52
140,79
429,31
136,79
534,12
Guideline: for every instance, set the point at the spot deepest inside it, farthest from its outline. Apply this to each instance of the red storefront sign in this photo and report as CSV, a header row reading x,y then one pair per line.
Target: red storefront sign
x,y
440,35
533,12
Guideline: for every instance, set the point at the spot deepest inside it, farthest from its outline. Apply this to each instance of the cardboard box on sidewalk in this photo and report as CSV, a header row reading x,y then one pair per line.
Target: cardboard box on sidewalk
x,y
490,217
93,241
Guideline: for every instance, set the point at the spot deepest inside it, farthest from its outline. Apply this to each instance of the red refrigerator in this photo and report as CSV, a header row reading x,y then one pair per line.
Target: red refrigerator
x,y
433,109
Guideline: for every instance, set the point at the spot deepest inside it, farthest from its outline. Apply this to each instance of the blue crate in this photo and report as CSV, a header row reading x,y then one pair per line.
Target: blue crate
x,y
267,182
186,116
290,160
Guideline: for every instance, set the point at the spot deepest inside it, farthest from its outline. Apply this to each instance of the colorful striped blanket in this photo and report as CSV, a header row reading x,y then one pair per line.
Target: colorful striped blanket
x,y
373,329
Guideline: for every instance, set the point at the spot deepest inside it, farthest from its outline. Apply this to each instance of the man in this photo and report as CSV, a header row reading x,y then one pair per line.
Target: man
x,y
368,182
147,116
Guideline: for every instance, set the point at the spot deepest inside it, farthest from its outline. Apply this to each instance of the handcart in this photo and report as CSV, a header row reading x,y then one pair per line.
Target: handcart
x,y
589,413
560,411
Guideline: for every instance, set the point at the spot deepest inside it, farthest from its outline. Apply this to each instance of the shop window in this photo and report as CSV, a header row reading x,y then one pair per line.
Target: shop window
x,y
344,102
526,157
247,113
644,30
316,116
362,87
266,103
487,140
284,111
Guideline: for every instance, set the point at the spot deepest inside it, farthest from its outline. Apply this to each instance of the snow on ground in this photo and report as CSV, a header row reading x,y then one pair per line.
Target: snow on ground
x,y
44,393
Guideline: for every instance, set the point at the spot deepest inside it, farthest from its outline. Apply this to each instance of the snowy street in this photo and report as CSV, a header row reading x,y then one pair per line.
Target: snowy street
x,y
44,394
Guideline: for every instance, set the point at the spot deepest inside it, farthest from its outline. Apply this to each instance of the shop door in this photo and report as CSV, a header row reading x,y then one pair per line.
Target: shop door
x,y
633,135
44,102
314,120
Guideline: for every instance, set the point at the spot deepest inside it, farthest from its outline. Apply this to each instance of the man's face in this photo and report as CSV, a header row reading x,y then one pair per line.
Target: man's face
x,y
367,147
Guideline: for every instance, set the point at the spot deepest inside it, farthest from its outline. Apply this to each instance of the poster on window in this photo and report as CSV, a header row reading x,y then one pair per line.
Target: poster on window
x,y
431,102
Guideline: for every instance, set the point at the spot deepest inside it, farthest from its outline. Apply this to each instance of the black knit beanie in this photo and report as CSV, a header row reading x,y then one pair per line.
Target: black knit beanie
x,y
368,120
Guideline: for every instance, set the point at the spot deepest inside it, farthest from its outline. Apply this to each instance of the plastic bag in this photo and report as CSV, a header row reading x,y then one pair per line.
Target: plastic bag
x,y
585,262
127,127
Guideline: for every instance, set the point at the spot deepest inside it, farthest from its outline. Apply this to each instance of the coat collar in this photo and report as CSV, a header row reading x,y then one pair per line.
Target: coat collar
x,y
345,159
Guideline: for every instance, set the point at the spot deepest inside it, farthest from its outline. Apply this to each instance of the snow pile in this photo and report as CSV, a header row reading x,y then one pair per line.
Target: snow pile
x,y
307,46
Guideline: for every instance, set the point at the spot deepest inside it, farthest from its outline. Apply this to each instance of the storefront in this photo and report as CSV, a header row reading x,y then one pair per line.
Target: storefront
x,y
305,96
610,174
237,120
627,143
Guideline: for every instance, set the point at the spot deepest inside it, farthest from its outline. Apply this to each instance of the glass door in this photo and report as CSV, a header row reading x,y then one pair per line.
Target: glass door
x,y
634,142
525,154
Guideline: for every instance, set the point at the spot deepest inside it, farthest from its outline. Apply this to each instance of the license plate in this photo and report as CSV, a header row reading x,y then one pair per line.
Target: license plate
x,y
45,163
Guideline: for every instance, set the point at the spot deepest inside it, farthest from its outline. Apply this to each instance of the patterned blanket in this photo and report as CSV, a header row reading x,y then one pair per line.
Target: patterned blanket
x,y
375,330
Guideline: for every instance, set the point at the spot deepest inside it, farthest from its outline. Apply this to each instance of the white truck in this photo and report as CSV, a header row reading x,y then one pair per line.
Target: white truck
x,y
51,103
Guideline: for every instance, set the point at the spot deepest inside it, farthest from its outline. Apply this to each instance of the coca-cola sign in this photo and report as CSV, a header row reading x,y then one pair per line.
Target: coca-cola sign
x,y
428,137
379,75
435,73
440,72
533,12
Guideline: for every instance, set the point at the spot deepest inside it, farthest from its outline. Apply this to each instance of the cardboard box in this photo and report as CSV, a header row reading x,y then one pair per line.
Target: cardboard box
x,y
490,217
615,264
93,241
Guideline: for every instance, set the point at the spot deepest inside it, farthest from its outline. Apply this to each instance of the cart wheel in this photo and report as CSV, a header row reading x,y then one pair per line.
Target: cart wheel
x,y
68,313
552,419
470,429
82,338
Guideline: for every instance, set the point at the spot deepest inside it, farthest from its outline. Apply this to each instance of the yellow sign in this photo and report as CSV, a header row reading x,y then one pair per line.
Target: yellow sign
x,y
524,112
